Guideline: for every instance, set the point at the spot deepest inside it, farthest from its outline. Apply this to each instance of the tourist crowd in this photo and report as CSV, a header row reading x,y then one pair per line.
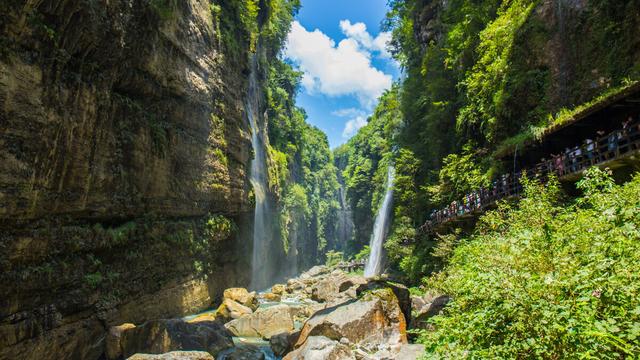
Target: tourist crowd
x,y
604,147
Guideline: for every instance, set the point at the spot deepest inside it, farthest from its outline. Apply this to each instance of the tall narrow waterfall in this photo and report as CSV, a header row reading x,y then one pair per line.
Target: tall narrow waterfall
x,y
345,220
380,229
263,265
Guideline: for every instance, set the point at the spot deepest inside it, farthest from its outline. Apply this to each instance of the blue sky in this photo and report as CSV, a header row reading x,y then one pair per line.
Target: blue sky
x,y
340,48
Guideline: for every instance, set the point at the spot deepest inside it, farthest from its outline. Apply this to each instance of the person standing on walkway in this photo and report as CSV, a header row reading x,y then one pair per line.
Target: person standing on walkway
x,y
589,147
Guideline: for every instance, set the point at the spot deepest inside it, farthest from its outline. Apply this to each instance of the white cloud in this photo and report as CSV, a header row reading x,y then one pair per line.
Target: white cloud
x,y
342,69
352,126
359,33
350,112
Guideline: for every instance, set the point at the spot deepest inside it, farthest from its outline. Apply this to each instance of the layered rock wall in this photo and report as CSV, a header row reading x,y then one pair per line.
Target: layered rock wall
x,y
123,186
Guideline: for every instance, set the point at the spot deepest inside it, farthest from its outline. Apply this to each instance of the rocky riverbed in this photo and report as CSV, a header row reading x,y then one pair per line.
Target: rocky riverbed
x,y
323,314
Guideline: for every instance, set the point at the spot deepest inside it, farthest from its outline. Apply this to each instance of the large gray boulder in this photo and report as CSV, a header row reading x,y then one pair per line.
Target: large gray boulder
x,y
164,336
264,323
321,348
375,318
175,355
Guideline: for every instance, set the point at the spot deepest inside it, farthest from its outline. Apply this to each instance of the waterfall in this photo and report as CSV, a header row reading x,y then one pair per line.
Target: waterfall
x,y
263,263
345,220
380,229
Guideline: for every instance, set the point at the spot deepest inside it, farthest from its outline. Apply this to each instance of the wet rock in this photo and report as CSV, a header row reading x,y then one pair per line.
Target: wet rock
x,y
245,352
375,318
264,323
321,348
430,310
175,355
282,344
278,289
242,296
230,310
163,336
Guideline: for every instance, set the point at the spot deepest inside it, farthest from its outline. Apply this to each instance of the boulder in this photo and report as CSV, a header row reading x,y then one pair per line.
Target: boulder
x,y
242,296
417,303
271,297
304,311
375,318
175,355
163,336
263,323
352,282
430,310
401,292
326,289
114,350
295,286
315,272
321,348
337,285
278,289
282,344
230,310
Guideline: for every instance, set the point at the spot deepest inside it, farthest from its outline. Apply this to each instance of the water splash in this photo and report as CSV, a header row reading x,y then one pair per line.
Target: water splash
x,y
263,264
380,229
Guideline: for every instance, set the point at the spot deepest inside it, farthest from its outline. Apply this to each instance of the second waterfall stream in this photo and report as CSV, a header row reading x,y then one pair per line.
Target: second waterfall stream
x,y
380,229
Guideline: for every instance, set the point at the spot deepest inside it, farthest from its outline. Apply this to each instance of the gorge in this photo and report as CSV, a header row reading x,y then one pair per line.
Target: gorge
x,y
162,189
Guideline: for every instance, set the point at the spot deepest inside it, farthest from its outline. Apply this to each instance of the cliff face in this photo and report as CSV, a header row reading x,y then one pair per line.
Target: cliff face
x,y
123,185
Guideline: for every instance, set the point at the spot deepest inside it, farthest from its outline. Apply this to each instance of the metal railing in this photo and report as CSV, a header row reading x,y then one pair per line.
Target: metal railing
x,y
603,149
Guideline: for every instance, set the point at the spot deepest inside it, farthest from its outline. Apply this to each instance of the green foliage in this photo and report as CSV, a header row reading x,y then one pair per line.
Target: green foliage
x,y
363,254
301,170
219,227
164,8
93,280
334,258
546,279
367,156
460,174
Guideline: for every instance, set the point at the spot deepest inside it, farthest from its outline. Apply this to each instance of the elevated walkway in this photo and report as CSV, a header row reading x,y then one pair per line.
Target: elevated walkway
x,y
615,148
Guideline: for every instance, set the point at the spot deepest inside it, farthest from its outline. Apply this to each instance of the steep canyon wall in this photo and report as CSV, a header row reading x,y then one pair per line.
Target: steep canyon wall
x,y
123,181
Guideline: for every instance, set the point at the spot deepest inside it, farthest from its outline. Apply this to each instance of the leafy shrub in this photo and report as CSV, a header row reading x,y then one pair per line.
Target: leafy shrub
x,y
94,280
363,254
334,258
219,227
546,279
